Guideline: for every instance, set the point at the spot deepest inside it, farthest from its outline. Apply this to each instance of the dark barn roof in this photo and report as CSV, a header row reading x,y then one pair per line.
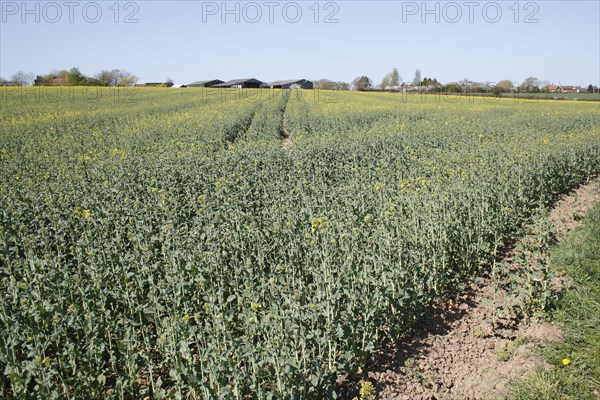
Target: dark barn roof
x,y
304,83
208,83
235,82
286,82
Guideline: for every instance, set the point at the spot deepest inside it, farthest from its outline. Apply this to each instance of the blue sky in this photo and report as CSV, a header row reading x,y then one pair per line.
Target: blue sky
x,y
556,41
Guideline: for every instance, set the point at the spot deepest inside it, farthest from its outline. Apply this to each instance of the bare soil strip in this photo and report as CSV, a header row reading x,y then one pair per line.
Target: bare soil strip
x,y
452,354
286,140
567,212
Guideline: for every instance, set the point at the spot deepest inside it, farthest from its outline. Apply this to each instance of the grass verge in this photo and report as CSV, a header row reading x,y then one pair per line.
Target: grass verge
x,y
574,371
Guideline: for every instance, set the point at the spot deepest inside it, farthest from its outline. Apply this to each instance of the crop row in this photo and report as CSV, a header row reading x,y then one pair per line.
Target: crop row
x,y
185,253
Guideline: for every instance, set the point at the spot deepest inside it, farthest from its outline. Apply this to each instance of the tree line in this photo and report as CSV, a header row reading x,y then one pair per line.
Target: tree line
x,y
393,81
72,77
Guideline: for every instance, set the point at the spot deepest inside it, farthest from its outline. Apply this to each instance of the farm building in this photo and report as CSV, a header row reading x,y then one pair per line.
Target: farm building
x,y
241,84
569,89
205,83
292,84
59,81
393,88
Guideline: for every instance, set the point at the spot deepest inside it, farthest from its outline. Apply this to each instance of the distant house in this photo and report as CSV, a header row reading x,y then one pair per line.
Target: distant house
x,y
393,88
292,84
205,83
552,88
250,83
58,81
408,87
569,89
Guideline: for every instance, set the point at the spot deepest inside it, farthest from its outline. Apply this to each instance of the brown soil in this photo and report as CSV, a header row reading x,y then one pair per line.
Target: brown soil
x,y
567,212
454,354
287,143
286,140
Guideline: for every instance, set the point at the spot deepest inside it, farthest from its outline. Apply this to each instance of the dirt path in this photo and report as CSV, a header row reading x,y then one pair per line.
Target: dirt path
x,y
567,212
453,355
286,140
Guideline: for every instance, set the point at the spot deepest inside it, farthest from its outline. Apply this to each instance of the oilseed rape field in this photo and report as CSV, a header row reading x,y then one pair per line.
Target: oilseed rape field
x,y
167,245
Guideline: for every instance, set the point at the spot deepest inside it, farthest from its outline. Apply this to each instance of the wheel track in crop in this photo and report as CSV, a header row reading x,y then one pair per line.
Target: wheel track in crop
x,y
239,128
286,140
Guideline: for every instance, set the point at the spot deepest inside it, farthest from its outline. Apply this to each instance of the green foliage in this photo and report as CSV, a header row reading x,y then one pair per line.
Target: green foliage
x,y
362,83
76,78
162,244
534,276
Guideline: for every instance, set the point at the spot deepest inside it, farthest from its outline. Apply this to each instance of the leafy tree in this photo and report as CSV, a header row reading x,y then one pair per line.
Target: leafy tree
x,y
43,80
95,82
429,82
453,88
362,83
505,85
590,88
76,78
531,85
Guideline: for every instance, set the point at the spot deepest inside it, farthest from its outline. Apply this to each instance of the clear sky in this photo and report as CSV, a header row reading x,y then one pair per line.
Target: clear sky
x,y
556,41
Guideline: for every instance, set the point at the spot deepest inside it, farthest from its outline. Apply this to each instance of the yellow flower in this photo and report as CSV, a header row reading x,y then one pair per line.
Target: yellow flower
x,y
367,391
318,223
566,361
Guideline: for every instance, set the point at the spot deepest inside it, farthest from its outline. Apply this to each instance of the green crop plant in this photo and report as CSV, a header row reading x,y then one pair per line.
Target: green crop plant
x,y
170,247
